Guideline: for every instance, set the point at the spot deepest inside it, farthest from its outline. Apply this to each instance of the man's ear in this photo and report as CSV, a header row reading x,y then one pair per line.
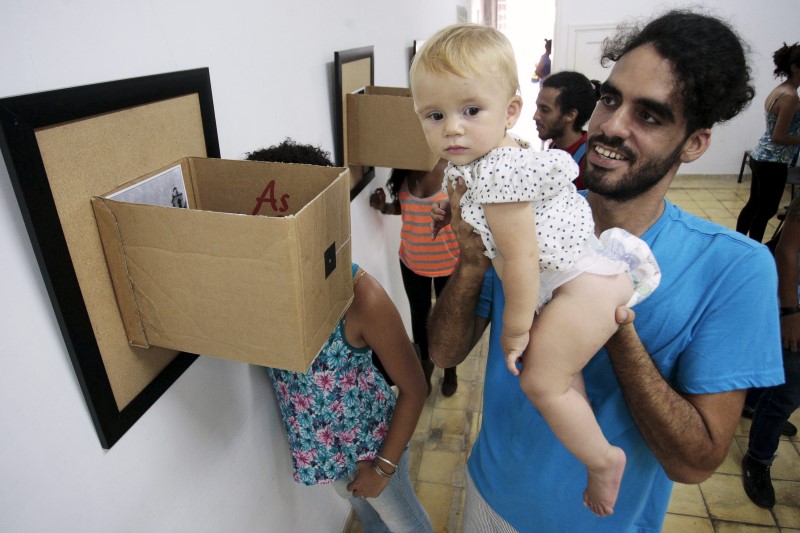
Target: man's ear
x,y
513,111
696,145
570,117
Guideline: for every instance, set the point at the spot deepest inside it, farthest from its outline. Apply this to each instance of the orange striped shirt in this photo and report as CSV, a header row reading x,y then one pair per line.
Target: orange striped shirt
x,y
418,252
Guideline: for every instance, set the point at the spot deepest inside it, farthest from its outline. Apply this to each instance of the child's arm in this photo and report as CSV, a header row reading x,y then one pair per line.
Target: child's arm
x,y
374,320
377,200
441,215
514,230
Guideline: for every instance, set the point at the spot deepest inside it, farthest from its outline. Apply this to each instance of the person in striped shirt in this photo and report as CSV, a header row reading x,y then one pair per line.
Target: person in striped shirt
x,y
424,263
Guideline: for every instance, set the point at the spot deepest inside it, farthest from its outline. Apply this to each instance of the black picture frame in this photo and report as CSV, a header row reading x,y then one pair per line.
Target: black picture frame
x,y
361,175
20,118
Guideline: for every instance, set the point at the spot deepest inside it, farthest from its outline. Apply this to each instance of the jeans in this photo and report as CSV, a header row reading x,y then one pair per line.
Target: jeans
x,y
773,407
396,510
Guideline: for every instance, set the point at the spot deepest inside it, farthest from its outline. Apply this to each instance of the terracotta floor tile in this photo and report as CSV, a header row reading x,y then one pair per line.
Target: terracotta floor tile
x,y
787,510
687,500
440,467
675,523
733,460
726,500
733,527
438,501
463,399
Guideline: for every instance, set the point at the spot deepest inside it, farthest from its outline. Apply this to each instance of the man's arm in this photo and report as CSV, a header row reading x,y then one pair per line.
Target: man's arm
x,y
453,326
689,433
786,259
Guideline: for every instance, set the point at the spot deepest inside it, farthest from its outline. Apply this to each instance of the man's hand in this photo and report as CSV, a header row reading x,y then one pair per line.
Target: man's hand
x,y
624,315
469,242
790,331
440,215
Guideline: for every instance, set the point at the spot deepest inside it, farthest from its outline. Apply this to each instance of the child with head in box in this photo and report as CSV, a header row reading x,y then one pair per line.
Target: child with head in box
x,y
539,232
344,423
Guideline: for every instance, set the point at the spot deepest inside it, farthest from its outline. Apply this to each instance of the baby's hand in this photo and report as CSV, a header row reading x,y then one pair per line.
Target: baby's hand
x,y
441,215
514,347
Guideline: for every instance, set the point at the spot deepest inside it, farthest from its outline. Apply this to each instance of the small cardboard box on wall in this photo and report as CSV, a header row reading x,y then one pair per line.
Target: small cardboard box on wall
x,y
384,131
255,269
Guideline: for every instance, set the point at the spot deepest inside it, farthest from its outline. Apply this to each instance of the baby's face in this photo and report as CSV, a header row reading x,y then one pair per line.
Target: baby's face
x,y
463,118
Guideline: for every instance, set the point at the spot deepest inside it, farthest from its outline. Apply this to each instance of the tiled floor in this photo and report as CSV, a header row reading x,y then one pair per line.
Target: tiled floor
x,y
448,427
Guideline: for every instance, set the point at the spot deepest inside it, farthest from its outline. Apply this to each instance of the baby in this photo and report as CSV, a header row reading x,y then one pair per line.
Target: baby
x,y
539,233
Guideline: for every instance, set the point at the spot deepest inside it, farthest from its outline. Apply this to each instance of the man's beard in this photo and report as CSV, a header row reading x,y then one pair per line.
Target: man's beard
x,y
555,132
640,178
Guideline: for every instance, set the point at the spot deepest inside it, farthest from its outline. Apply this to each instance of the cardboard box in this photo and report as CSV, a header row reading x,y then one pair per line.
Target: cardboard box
x,y
384,131
255,269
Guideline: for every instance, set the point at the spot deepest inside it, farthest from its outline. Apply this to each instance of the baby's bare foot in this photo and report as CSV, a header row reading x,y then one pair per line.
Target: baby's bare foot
x,y
603,486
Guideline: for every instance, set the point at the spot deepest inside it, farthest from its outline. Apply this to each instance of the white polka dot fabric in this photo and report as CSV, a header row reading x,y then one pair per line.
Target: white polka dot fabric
x,y
510,174
564,224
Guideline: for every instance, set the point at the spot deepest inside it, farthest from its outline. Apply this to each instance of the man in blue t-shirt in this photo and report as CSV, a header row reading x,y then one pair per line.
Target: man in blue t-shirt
x,y
668,387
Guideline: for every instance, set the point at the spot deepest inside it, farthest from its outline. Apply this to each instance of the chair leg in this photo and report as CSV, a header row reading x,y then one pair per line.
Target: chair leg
x,y
744,162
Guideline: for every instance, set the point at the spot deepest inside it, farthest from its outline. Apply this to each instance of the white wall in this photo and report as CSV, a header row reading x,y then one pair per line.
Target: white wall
x,y
211,454
757,22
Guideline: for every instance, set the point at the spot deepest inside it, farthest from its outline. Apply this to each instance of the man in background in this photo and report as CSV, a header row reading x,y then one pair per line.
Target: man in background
x,y
565,103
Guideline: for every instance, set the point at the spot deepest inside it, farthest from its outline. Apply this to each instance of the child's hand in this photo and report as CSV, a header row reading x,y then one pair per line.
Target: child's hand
x,y
440,215
514,347
377,200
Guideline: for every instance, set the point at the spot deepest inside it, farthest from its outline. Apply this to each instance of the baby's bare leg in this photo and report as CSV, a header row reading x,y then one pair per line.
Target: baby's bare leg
x,y
584,307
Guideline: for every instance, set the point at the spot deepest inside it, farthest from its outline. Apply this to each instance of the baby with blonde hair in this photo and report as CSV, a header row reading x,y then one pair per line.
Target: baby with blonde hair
x,y
562,284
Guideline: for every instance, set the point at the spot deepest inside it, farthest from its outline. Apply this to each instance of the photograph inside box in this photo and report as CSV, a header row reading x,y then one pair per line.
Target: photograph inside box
x,y
243,260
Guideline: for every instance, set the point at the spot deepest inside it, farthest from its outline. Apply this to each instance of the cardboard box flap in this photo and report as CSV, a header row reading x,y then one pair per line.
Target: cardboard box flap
x,y
387,91
258,187
383,130
117,267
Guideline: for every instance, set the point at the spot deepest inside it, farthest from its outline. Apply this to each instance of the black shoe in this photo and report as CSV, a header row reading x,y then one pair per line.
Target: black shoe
x,y
450,382
757,483
788,429
427,368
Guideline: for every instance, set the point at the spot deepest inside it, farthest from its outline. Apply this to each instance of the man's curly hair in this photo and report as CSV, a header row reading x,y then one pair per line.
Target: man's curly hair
x,y
290,151
707,57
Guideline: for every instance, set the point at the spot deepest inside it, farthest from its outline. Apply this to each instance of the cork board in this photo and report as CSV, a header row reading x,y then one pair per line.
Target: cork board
x,y
61,148
354,70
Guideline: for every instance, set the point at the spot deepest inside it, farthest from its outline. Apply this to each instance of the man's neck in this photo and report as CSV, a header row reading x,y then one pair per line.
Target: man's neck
x,y
635,216
569,138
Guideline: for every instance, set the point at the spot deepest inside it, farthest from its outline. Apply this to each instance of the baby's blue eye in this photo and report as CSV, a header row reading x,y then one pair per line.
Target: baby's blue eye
x,y
436,116
472,111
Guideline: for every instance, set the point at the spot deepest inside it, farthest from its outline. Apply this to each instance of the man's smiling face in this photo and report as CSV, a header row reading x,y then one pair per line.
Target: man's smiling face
x,y
637,131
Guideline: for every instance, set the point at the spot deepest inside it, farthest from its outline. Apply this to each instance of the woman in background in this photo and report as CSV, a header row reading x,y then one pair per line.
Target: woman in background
x,y
770,159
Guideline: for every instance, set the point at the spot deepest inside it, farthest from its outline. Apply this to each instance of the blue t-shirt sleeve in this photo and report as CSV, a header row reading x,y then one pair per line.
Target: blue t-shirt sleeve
x,y
484,307
736,343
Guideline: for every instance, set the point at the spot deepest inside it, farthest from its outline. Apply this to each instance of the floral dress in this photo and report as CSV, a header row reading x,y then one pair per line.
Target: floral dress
x,y
335,414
